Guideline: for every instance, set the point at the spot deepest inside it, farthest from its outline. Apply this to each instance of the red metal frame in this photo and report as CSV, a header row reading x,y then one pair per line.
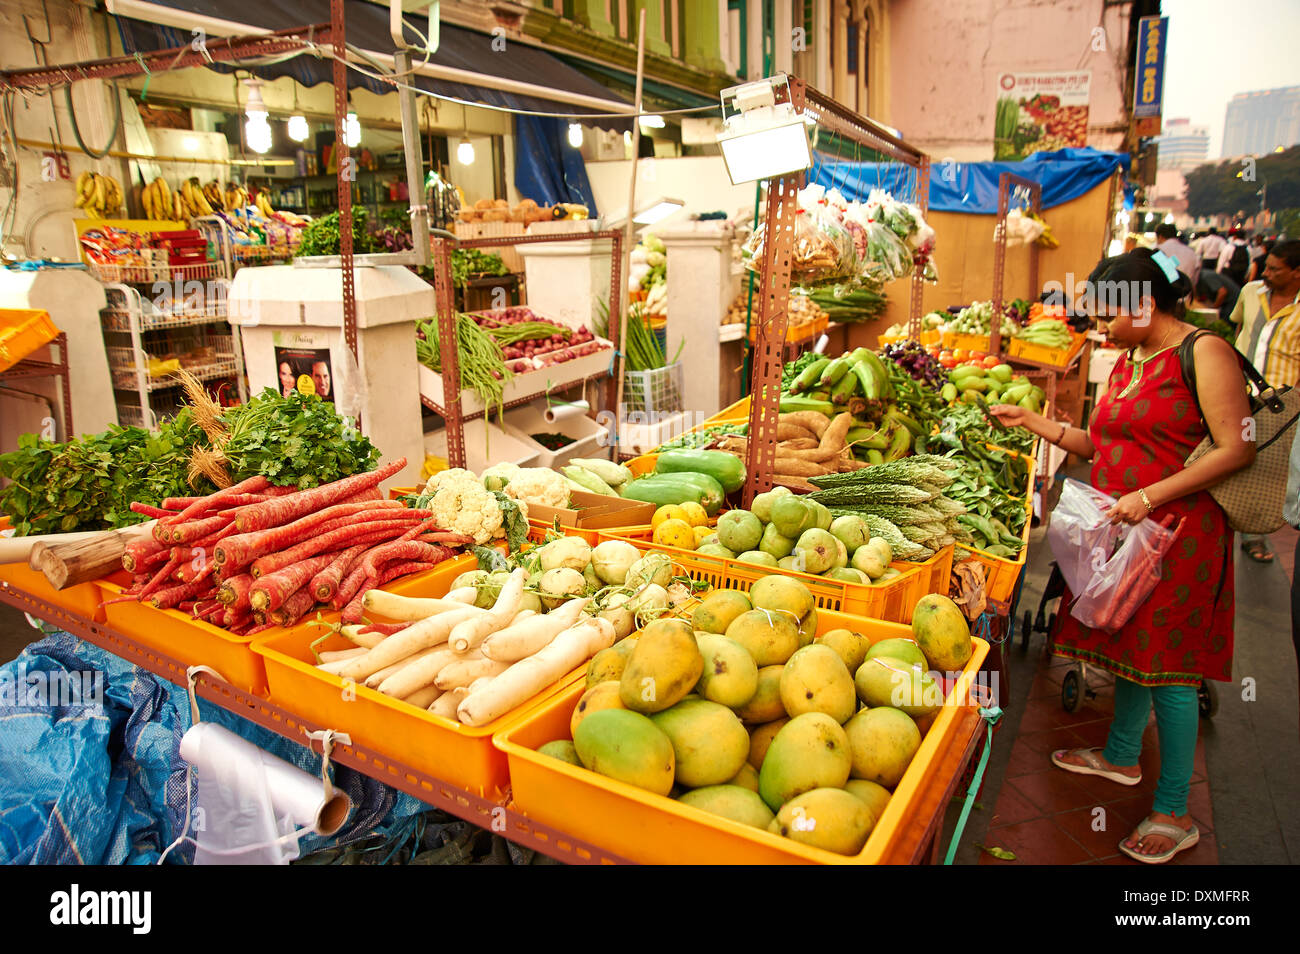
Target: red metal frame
x,y
444,292
773,293
31,368
219,49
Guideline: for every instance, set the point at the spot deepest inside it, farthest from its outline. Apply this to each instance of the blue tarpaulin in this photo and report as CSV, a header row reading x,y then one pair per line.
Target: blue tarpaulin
x,y
547,169
100,780
972,187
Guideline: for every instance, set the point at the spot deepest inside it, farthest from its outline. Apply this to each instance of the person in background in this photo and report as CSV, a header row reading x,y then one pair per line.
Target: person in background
x,y
1168,242
1131,242
288,380
320,376
1209,247
1141,432
1268,316
1234,260
1291,513
1257,264
1218,291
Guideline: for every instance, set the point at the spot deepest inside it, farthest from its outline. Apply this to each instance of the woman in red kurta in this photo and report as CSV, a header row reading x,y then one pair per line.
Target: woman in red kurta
x,y
1140,435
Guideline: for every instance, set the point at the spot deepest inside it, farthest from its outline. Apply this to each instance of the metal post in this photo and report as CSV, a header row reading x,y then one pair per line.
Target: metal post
x,y
346,175
414,162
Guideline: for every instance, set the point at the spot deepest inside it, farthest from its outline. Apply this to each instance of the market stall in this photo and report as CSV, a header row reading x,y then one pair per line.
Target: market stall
x,y
516,644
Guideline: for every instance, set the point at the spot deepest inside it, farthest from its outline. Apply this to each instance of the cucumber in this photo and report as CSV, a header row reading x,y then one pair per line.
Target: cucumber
x,y
661,489
589,480
608,471
727,469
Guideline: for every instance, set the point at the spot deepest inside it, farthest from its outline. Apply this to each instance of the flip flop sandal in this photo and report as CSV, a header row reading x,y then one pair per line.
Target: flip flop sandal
x,y
1259,552
1182,839
1094,766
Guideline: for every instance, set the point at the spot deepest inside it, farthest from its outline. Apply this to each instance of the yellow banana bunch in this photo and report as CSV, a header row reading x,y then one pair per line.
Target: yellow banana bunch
x,y
212,192
100,196
235,197
195,201
157,201
264,205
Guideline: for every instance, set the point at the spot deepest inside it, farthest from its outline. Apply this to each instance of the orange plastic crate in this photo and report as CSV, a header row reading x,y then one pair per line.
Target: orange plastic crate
x,y
457,754
82,599
643,827
892,601
737,413
952,341
798,331
189,641
22,331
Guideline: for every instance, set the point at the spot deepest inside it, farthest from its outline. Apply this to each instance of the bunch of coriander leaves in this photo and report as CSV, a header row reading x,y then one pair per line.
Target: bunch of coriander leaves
x,y
298,440
89,483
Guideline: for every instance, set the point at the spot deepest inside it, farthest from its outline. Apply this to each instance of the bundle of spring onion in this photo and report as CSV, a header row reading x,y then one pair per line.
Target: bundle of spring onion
x,y
482,364
644,352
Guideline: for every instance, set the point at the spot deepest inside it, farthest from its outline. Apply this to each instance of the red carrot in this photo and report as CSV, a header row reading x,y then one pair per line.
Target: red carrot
x,y
272,590
347,589
294,608
246,546
159,577
332,539
260,627
327,580
253,485
186,606
197,529
385,629
406,550
149,511
353,610
140,550
165,599
273,513
235,591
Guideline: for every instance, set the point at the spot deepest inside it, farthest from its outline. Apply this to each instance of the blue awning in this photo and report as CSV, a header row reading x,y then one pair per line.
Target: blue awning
x,y
367,29
972,187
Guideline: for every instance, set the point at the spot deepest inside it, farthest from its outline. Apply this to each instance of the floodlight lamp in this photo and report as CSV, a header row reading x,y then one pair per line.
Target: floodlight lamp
x,y
763,137
298,129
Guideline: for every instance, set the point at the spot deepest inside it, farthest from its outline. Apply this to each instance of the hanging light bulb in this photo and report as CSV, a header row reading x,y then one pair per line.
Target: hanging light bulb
x,y
298,129
575,135
352,130
257,130
465,152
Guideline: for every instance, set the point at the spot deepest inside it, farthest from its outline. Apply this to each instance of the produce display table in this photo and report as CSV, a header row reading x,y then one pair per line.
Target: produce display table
x,y
923,819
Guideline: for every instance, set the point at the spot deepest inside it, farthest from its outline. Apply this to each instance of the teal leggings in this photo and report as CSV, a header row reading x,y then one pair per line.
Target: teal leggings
x,y
1177,716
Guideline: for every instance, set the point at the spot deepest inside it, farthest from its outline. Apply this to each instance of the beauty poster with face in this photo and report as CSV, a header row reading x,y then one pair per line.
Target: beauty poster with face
x,y
306,370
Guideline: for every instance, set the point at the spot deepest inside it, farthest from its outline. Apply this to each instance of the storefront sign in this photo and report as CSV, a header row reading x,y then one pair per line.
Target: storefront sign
x,y
1040,112
1148,86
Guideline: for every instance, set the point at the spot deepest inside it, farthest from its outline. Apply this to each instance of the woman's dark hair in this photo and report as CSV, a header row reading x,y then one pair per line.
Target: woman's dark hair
x,y
1288,251
1126,278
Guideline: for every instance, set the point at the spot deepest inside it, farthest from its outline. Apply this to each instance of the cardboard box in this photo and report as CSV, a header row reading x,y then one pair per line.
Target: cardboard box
x,y
594,512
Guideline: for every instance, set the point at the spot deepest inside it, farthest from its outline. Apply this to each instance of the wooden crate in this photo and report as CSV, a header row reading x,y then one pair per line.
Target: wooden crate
x,y
509,254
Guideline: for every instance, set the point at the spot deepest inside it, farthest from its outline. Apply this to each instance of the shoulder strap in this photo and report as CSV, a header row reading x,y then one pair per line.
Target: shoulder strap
x,y
1187,362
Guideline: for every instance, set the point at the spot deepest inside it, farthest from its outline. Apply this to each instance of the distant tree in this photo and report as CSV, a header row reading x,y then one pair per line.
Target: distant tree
x,y
1217,189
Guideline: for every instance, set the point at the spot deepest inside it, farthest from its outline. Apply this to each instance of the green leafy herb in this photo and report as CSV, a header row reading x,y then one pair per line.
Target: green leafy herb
x,y
514,521
321,237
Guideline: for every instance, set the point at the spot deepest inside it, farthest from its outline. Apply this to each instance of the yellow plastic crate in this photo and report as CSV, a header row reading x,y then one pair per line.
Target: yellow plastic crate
x,y
1057,357
647,828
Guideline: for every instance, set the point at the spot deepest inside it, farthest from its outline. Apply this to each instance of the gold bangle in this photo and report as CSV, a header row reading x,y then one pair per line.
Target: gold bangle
x,y
1143,494
1064,427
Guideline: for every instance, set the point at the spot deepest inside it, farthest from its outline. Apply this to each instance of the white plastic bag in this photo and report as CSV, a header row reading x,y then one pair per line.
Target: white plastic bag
x,y
1109,581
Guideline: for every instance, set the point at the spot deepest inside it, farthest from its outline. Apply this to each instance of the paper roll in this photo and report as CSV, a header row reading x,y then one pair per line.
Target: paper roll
x,y
210,748
558,413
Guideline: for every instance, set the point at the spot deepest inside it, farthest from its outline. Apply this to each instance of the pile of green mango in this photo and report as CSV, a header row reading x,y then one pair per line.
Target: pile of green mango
x,y
786,531
996,385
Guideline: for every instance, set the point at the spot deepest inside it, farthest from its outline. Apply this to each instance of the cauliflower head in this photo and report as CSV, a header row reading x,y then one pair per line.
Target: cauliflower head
x,y
464,506
538,485
499,476
453,476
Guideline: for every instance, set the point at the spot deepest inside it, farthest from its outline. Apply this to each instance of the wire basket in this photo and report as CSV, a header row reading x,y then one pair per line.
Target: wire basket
x,y
659,390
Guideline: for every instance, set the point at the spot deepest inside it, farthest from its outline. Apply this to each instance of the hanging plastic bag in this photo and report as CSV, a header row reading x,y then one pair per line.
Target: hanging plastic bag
x,y
1110,568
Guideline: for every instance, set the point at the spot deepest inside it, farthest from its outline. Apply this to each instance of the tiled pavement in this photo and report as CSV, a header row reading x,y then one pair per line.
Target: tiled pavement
x,y
1048,816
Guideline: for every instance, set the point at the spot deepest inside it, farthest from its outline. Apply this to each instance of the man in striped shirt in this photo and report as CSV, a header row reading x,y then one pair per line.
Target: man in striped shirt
x,y
1268,315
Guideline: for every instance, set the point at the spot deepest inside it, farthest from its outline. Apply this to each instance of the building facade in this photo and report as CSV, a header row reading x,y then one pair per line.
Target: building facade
x,y
1261,121
1183,146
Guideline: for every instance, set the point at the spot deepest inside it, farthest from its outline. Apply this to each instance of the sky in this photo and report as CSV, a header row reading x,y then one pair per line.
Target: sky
x,y
1218,48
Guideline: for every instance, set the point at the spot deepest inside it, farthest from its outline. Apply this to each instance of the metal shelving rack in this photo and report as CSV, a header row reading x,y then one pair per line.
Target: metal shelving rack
x,y
134,327
233,255
445,296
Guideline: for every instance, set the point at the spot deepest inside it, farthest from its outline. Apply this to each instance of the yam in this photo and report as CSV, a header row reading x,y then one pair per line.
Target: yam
x,y
792,432
798,444
793,482
833,438
799,467
812,420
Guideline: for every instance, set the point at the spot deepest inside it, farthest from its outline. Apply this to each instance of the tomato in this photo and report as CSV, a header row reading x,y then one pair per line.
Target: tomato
x,y
992,361
947,360
961,354
974,363
976,354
